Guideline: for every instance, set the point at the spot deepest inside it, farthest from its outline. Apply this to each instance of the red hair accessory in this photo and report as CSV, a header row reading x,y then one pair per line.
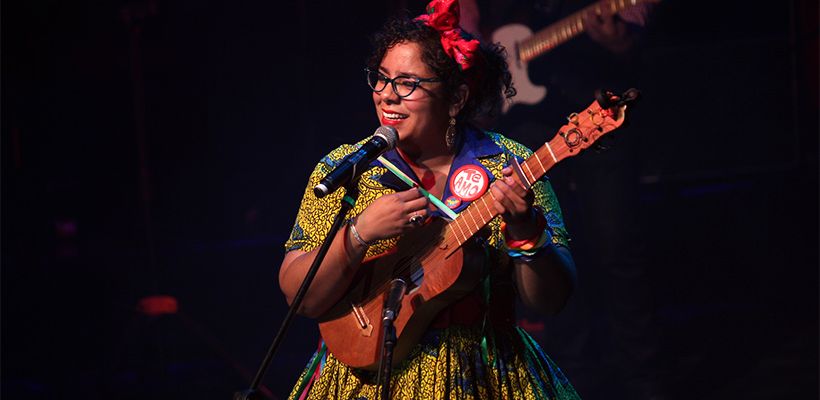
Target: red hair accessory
x,y
443,16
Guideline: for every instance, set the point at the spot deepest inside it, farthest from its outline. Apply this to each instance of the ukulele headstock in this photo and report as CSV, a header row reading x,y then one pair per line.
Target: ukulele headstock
x,y
605,114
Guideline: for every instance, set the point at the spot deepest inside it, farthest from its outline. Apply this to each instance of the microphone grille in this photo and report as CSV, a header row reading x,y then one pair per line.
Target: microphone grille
x,y
389,134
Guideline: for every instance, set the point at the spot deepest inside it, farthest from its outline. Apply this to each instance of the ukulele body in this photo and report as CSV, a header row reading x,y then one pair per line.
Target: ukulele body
x,y
436,274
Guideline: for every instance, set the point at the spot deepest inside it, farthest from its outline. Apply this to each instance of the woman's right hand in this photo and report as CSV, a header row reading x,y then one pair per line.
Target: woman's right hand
x,y
389,215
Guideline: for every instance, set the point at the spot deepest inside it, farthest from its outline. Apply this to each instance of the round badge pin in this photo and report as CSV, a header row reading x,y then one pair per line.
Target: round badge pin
x,y
452,202
469,182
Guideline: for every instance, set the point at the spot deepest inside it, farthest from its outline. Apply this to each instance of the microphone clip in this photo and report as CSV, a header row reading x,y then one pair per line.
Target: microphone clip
x,y
392,304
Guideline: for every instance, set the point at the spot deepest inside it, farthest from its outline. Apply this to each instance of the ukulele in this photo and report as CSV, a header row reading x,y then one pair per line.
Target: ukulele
x,y
524,46
434,260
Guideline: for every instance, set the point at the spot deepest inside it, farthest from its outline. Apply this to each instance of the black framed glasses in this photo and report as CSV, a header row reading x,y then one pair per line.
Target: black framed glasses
x,y
403,86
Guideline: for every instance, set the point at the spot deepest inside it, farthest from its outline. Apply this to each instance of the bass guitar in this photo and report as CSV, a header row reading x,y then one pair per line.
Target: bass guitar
x,y
523,46
432,259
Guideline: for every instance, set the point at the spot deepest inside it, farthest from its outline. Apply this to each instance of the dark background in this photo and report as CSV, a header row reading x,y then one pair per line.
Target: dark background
x,y
161,147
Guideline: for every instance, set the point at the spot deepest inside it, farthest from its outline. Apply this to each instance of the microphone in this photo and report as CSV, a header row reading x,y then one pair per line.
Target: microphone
x,y
393,301
383,139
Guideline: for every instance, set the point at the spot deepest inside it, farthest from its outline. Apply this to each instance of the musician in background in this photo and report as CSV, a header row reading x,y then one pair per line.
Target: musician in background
x,y
608,340
431,81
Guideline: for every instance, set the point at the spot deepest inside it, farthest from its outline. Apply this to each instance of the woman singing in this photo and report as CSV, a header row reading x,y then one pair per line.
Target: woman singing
x,y
433,83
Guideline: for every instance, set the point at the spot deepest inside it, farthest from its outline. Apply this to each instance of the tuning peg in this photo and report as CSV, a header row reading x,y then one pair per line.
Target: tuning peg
x,y
630,96
607,99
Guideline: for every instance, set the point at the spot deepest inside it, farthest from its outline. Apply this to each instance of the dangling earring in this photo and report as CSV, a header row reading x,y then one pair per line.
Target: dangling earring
x,y
450,135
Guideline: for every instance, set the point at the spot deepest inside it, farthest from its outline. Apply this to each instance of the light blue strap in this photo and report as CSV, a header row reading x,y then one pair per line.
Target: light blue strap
x,y
409,181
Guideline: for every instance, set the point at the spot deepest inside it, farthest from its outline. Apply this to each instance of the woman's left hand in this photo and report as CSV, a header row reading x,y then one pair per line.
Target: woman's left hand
x,y
514,203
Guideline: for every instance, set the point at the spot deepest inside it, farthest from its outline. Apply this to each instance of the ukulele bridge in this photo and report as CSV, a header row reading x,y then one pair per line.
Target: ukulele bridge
x,y
361,319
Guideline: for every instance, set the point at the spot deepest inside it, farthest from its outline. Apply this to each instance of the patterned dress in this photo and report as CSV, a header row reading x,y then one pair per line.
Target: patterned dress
x,y
473,350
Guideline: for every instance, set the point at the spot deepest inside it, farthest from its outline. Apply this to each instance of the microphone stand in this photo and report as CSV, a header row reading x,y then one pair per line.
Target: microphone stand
x,y
392,306
348,201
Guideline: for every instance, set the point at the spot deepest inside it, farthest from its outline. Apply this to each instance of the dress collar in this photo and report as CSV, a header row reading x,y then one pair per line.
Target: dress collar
x,y
475,145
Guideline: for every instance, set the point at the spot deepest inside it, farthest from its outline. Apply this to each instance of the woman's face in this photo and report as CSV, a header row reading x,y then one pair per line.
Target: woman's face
x,y
421,117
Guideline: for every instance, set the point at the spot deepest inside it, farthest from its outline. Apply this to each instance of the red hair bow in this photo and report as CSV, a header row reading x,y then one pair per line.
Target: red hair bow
x,y
443,16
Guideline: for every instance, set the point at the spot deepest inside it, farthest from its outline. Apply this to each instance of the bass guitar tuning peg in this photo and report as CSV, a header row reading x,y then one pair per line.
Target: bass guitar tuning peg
x,y
606,99
630,96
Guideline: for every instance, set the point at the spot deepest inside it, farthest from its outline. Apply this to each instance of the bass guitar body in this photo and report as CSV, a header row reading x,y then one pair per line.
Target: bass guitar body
x,y
437,274
526,92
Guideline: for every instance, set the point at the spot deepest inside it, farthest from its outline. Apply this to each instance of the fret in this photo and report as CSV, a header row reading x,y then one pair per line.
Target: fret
x,y
538,158
531,44
453,232
472,217
453,244
484,203
465,228
547,156
487,215
478,215
470,230
555,34
457,225
532,176
552,154
491,194
481,220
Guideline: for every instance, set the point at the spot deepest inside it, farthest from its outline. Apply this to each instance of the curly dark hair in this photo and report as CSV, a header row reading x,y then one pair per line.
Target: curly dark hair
x,y
488,78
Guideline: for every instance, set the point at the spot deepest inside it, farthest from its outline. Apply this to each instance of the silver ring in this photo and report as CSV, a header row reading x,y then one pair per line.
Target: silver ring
x,y
416,220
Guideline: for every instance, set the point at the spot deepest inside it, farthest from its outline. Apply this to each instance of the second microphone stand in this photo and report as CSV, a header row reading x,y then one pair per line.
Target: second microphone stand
x,y
347,204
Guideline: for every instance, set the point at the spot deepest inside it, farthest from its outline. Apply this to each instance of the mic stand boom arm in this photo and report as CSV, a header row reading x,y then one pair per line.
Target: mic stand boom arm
x,y
348,201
